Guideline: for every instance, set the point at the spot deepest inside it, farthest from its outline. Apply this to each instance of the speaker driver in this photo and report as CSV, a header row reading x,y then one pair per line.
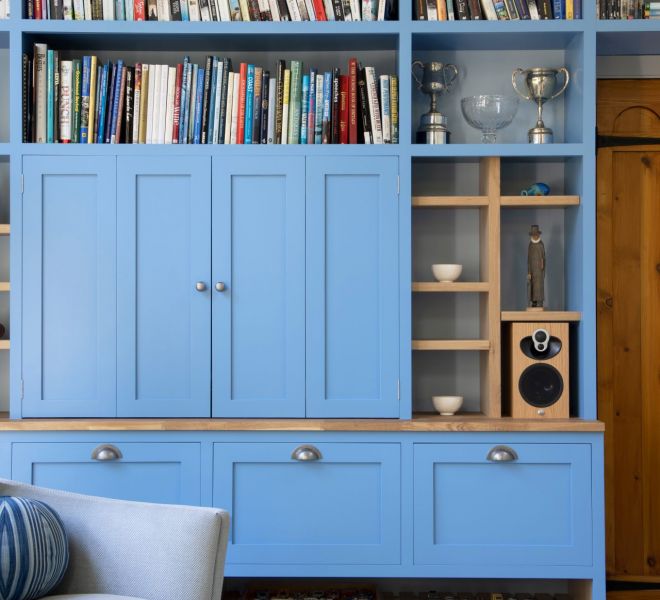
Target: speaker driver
x,y
541,385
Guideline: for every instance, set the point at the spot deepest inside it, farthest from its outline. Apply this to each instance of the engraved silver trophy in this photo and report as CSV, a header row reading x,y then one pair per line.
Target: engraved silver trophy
x,y
437,79
541,83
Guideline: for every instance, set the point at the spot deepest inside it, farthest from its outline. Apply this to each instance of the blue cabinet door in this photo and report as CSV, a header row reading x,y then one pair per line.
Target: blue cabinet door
x,y
167,473
164,255
533,511
69,279
352,287
344,508
259,287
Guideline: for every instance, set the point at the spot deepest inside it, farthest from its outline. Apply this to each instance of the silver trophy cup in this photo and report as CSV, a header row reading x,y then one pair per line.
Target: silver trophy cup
x,y
437,79
541,83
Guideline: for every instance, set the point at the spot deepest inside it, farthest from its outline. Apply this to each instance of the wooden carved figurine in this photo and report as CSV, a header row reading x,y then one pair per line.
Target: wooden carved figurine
x,y
535,270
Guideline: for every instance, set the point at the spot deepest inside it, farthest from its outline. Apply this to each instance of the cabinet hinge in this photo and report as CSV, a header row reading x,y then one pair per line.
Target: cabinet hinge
x,y
22,389
398,389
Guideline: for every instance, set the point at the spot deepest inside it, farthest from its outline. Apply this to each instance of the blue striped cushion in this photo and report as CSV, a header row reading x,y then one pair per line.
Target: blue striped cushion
x,y
34,550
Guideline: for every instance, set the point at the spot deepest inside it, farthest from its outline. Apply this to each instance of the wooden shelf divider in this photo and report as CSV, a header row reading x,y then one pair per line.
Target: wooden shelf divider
x,y
4,229
541,316
4,344
454,286
542,201
451,345
5,286
440,201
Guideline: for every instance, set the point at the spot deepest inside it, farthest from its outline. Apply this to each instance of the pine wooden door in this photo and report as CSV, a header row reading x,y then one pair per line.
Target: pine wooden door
x,y
628,209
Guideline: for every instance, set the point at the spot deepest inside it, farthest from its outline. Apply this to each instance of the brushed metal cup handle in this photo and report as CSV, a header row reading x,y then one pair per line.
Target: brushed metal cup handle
x,y
106,453
306,453
567,78
514,82
200,286
220,286
420,64
453,71
502,454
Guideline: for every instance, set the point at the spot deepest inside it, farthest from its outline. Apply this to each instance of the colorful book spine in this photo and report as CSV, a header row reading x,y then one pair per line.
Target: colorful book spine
x,y
225,99
294,102
76,98
121,106
265,106
116,100
213,101
327,107
235,108
374,105
249,104
343,109
286,96
394,107
66,81
240,132
226,134
50,97
311,107
386,111
184,100
334,108
176,116
144,104
199,98
93,99
256,105
272,103
103,99
279,89
352,102
193,103
84,108
318,110
305,109
558,7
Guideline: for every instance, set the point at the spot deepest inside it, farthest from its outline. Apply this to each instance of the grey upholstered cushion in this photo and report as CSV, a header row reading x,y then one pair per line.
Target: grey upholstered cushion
x,y
90,597
135,549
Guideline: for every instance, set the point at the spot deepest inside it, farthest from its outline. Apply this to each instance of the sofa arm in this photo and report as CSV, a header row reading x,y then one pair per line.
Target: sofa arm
x,y
152,551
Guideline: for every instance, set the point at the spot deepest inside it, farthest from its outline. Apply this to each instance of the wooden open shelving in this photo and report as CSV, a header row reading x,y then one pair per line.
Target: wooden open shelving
x,y
455,286
451,345
5,286
448,201
539,201
4,344
545,315
4,229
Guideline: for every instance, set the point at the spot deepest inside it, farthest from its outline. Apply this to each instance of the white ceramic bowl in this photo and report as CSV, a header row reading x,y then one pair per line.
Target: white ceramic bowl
x,y
447,405
447,273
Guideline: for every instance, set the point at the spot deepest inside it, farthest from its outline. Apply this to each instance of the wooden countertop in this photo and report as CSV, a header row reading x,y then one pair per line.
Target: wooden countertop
x,y
418,423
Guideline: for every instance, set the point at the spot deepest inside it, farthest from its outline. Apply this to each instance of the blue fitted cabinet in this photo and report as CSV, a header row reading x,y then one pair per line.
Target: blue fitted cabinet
x,y
69,287
163,290
352,283
258,287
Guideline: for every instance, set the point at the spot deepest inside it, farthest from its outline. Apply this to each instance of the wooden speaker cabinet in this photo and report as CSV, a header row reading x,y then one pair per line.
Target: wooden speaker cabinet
x,y
538,370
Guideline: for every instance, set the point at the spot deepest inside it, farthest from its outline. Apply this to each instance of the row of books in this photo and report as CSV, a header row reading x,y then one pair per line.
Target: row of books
x,y
212,10
83,101
627,9
498,10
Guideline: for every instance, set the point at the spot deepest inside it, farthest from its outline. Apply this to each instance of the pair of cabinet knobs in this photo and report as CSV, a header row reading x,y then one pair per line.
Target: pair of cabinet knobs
x,y
200,286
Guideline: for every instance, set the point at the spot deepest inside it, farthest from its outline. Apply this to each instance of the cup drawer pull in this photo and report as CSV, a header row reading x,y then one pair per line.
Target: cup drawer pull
x,y
502,454
106,452
306,453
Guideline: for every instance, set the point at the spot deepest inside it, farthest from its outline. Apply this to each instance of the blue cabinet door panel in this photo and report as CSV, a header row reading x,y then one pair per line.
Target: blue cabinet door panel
x,y
164,322
535,510
259,317
342,509
69,293
166,473
352,283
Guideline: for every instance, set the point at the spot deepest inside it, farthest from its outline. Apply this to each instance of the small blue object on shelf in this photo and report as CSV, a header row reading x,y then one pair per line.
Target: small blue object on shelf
x,y
536,189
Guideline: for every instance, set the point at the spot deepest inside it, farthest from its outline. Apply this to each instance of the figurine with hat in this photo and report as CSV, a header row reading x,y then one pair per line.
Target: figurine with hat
x,y
535,270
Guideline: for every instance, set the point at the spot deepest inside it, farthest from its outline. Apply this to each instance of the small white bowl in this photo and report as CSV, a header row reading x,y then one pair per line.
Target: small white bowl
x,y
447,273
447,405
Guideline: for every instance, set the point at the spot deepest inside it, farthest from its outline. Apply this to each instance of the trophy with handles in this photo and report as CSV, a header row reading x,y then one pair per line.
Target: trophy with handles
x,y
437,79
541,84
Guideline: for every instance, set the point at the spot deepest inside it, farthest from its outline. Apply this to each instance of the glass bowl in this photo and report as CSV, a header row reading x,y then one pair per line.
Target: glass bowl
x,y
488,113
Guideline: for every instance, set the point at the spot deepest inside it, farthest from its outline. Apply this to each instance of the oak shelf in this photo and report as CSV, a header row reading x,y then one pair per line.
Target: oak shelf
x,y
4,229
454,286
451,345
541,316
440,201
4,344
5,286
542,201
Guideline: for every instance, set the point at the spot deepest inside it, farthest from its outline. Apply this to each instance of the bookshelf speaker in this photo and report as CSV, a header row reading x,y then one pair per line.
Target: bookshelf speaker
x,y
538,364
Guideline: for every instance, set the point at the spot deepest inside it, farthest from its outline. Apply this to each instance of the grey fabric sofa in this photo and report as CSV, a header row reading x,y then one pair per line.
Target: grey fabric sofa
x,y
132,550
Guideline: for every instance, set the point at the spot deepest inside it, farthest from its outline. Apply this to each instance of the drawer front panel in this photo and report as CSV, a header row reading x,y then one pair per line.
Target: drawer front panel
x,y
535,510
148,472
341,509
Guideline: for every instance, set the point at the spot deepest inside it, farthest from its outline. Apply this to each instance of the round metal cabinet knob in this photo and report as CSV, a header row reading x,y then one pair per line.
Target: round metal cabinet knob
x,y
220,286
200,286
106,452
502,454
306,453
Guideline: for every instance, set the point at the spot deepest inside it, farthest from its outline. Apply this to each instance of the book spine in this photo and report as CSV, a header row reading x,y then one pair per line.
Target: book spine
x,y
512,10
272,103
163,10
451,15
577,10
199,98
225,98
326,127
152,109
75,99
204,10
38,9
67,8
256,105
235,10
557,9
253,8
374,106
97,109
139,13
120,11
176,115
185,10
240,134
382,4
570,15
84,107
26,85
102,101
305,109
302,8
65,102
129,97
214,11
279,86
206,91
533,10
462,10
129,9
442,10
91,133
41,91
137,104
215,134
264,10
121,105
286,95
311,107
386,112
338,9
294,102
421,10
175,10
116,100
431,10
545,9
352,102
284,10
334,114
226,132
50,97
394,107
235,108
265,106
169,106
329,11
189,106
114,74
144,104
184,101
249,100
343,109
523,10
318,110
223,8
245,10
488,10
363,97
294,11
56,96
319,10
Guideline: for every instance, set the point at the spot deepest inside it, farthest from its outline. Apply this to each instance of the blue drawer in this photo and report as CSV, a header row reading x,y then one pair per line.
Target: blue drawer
x,y
344,508
149,472
535,510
